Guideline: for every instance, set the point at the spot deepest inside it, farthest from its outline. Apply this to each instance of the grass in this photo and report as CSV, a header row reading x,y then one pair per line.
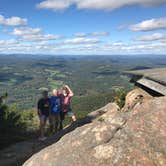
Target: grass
x,y
55,84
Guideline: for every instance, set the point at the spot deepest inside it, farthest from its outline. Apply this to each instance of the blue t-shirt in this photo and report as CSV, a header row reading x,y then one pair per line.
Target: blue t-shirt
x,y
55,104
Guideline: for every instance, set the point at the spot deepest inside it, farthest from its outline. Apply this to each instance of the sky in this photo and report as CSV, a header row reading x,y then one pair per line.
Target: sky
x,y
83,27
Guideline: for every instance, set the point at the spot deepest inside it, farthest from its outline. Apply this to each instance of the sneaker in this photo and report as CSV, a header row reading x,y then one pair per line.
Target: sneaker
x,y
42,138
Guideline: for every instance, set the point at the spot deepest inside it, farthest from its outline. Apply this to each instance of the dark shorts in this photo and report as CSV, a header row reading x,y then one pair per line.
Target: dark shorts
x,y
55,113
43,118
44,113
68,113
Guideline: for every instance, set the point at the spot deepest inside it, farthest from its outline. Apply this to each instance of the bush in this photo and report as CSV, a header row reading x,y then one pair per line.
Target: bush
x,y
120,95
14,124
14,120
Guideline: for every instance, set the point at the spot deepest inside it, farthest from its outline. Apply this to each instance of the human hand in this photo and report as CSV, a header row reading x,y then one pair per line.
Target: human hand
x,y
66,86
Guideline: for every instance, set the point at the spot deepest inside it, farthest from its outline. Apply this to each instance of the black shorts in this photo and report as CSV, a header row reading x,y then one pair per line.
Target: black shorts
x,y
68,113
46,114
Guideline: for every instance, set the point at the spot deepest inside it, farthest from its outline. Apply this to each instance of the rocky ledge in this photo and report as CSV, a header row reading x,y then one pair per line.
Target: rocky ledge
x,y
133,136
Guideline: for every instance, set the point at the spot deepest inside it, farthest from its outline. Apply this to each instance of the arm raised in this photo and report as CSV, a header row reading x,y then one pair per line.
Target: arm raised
x,y
71,93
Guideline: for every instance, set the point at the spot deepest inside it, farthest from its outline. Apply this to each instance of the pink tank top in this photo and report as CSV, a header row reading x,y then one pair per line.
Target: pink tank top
x,y
65,103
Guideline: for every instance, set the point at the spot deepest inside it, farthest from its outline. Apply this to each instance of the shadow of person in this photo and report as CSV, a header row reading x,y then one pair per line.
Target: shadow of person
x,y
30,147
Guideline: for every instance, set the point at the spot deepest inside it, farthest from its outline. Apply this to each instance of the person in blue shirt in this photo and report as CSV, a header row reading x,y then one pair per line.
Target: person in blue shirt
x,y
55,111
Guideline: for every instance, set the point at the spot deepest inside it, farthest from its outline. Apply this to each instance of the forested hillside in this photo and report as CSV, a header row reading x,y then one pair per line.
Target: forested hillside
x,y
23,77
95,81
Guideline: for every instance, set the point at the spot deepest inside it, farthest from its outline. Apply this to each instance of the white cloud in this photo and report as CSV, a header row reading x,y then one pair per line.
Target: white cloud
x,y
114,48
12,21
26,31
95,4
33,34
99,33
80,34
39,37
31,48
97,49
81,41
54,4
145,48
152,37
40,43
149,25
121,27
8,42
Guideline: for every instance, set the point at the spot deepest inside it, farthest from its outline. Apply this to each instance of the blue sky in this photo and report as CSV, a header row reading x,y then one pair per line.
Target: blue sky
x,y
103,27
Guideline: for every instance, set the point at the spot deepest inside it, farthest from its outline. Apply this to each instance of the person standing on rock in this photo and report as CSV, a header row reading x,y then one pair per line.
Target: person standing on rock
x,y
55,111
44,109
66,96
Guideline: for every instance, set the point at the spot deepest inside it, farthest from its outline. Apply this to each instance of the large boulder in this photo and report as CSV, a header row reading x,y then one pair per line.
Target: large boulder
x,y
135,97
136,137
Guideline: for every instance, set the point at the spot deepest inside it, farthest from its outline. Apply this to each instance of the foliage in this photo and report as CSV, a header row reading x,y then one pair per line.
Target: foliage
x,y
101,119
14,124
14,120
120,97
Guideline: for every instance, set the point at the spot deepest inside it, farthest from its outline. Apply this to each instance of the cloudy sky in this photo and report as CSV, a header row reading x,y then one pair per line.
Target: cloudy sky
x,y
83,27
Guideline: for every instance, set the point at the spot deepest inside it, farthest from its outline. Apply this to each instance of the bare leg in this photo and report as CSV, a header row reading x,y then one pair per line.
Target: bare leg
x,y
73,118
51,122
61,125
62,117
42,125
57,121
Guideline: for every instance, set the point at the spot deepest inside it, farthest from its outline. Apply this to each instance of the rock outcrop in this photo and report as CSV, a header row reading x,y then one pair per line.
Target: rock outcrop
x,y
18,153
135,136
136,96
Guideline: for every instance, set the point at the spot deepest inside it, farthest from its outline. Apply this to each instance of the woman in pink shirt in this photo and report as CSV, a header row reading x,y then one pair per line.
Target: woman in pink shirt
x,y
65,97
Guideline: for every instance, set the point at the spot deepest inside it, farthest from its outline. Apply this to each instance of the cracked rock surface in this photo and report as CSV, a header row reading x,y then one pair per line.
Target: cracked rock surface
x,y
134,137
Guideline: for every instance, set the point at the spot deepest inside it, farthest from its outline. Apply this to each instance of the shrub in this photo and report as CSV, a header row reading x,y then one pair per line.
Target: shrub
x,y
120,95
14,123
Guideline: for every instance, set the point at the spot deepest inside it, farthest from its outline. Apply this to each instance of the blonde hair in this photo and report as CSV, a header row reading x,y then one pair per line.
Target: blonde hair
x,y
54,90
